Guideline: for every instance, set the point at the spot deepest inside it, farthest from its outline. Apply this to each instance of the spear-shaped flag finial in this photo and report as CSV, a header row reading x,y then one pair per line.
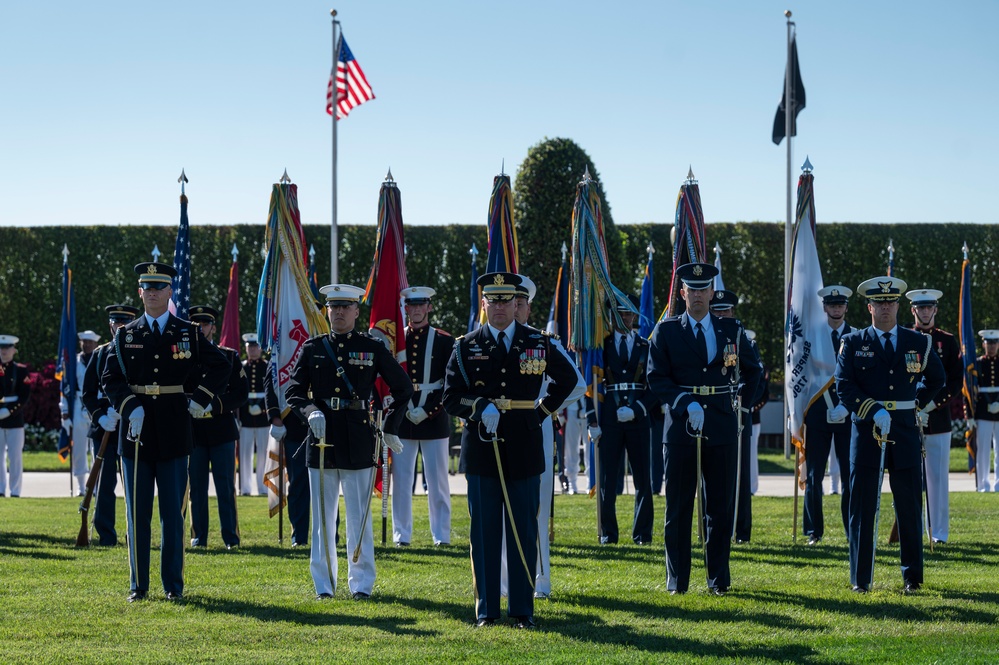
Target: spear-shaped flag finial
x,y
285,178
235,252
807,166
690,173
388,176
474,251
156,253
503,166
312,253
182,180
891,246
565,250
965,250
718,249
650,250
586,173
65,254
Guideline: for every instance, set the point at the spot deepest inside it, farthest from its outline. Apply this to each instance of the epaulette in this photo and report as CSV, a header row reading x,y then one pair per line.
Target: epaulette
x,y
458,339
550,334
441,331
230,349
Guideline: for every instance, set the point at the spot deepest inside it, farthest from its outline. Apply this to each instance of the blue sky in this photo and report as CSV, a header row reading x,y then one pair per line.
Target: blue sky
x,y
105,102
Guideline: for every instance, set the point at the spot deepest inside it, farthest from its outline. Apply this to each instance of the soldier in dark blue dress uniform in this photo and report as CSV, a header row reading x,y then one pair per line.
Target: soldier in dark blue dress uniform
x,y
493,381
625,425
215,444
331,387
162,372
827,426
104,418
696,363
884,373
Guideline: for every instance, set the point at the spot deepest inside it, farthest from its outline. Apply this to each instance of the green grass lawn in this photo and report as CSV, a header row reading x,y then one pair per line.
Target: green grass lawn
x,y
789,603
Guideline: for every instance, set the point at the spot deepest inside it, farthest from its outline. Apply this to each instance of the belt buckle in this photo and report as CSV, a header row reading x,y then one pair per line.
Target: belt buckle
x,y
890,405
335,403
502,404
702,390
153,390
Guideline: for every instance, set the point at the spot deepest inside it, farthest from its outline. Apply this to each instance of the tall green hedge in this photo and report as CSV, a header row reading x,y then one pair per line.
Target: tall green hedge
x,y
927,255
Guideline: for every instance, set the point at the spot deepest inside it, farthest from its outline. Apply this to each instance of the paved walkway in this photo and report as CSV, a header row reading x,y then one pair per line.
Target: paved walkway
x,y
57,485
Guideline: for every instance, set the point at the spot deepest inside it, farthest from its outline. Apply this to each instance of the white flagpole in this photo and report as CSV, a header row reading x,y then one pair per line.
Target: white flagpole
x,y
788,106
334,235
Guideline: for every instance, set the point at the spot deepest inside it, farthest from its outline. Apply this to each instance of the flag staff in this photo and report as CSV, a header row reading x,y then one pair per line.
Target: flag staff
x,y
788,116
334,235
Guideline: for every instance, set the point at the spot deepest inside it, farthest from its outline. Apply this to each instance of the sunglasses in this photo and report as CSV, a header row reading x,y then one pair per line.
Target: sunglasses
x,y
153,286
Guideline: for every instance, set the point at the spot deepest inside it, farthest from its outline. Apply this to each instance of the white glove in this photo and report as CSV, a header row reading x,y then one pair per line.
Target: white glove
x,y
695,416
922,418
278,432
930,406
387,401
317,423
625,414
837,414
393,442
107,423
594,432
882,420
490,418
4,413
135,422
196,410
67,424
114,415
254,410
416,415
994,407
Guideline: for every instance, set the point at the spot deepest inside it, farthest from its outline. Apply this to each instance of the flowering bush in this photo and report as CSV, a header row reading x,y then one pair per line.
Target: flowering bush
x,y
41,413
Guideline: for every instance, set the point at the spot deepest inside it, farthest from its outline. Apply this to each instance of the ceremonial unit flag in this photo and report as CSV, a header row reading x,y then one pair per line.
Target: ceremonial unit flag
x,y
230,318
388,273
66,358
503,253
647,307
966,338
352,88
797,97
719,281
558,315
810,361
689,243
287,315
182,264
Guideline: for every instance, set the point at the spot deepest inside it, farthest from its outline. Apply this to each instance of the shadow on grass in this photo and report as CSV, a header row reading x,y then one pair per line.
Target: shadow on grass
x,y
336,612
30,544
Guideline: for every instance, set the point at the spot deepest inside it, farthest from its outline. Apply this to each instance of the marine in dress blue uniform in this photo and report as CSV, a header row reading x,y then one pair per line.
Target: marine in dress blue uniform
x,y
884,373
494,377
723,306
827,426
935,415
254,422
14,394
426,428
625,425
104,418
984,420
215,444
696,363
331,387
161,373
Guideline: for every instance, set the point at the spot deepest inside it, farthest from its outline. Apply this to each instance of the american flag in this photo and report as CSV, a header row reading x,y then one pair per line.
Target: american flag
x,y
182,264
351,84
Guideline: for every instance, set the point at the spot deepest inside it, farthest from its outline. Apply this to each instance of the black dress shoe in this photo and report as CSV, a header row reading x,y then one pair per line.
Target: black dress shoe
x,y
234,546
911,587
857,588
360,595
741,541
719,590
402,543
484,622
814,540
174,595
677,592
324,596
136,595
607,540
525,622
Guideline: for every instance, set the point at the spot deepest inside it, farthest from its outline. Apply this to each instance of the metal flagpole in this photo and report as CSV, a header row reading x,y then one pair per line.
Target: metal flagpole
x,y
788,106
335,100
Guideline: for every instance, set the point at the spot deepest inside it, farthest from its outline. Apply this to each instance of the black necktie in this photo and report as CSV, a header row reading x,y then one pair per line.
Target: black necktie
x,y
702,343
501,346
835,338
889,349
156,329
623,350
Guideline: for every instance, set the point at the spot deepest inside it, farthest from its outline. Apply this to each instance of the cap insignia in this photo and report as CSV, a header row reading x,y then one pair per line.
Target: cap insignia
x,y
498,279
698,270
885,286
835,292
151,270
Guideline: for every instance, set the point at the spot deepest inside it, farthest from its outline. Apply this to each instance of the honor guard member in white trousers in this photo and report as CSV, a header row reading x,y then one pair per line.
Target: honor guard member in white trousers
x,y
542,577
987,411
14,393
75,419
157,361
935,416
827,427
575,436
253,420
884,374
426,427
103,419
331,387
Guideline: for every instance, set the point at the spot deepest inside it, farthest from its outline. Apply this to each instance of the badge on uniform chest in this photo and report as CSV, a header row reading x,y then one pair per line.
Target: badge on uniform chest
x,y
361,358
533,361
913,362
730,355
181,349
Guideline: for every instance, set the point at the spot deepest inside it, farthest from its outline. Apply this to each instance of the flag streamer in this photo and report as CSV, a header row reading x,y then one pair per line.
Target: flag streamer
x,y
66,360
688,243
966,338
